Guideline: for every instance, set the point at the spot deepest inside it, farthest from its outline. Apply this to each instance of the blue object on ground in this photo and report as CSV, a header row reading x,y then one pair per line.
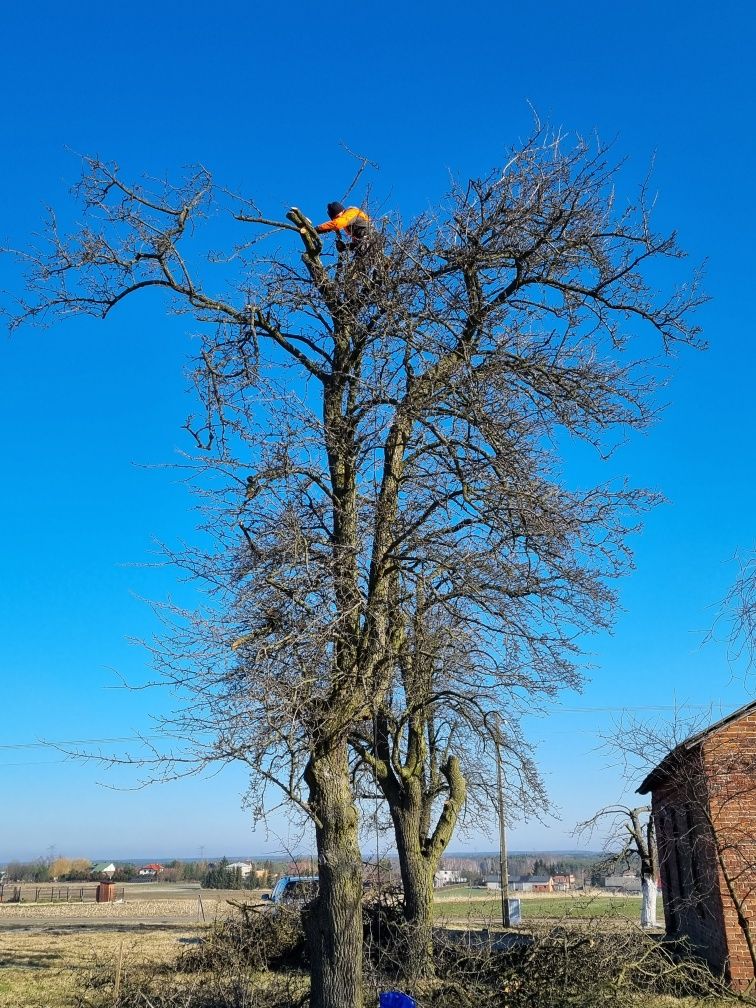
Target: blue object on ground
x,y
395,999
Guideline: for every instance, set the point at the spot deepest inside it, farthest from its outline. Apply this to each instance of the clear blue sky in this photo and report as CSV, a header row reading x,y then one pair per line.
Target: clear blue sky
x,y
263,95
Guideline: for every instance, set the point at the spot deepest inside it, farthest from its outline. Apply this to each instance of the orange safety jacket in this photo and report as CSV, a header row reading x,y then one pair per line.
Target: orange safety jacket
x,y
350,218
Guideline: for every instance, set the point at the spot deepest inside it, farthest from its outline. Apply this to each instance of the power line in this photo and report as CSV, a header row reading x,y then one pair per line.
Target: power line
x,y
34,763
556,709
631,709
72,742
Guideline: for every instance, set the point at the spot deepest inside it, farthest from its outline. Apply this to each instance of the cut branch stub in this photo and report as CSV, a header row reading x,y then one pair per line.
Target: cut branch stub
x,y
310,237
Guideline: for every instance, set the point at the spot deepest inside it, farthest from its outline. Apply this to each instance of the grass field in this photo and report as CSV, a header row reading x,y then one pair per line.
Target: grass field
x,y
461,907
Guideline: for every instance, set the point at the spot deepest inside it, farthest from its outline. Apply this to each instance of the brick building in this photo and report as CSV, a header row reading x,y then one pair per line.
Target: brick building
x,y
563,882
704,806
532,883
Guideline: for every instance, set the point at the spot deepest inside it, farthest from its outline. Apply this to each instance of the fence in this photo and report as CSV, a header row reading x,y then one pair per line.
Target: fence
x,y
51,893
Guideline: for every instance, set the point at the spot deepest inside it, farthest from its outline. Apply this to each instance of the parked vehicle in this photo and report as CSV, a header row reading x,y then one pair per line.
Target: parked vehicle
x,y
293,891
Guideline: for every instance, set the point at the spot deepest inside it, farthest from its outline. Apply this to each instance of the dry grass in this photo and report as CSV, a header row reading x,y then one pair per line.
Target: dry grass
x,y
42,969
51,965
180,909
41,965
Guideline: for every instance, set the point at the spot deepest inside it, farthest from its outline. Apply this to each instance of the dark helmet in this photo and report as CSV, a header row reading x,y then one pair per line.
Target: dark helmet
x,y
334,209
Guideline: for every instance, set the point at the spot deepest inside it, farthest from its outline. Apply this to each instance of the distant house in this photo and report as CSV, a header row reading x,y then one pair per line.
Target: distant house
x,y
532,883
445,877
562,883
541,883
623,883
151,870
704,807
106,868
243,866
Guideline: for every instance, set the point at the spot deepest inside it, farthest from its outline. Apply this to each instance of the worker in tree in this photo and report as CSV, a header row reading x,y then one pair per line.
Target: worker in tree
x,y
351,220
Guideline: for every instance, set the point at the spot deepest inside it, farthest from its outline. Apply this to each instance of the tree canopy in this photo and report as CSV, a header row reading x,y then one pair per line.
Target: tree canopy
x,y
382,433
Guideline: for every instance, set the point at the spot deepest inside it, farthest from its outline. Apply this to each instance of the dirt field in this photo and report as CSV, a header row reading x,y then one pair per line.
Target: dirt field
x,y
149,904
47,948
42,967
156,904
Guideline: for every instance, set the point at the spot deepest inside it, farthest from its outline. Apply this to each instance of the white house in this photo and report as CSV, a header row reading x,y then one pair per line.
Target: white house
x,y
444,877
244,867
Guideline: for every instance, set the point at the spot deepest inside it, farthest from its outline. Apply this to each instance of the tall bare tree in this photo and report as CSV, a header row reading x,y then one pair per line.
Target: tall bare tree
x,y
630,842
387,415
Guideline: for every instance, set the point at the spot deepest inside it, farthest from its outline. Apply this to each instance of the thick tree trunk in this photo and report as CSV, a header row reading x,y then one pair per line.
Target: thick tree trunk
x,y
417,872
335,926
648,907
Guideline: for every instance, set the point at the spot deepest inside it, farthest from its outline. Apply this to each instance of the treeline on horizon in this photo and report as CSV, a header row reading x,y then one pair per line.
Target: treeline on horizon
x,y
216,873
206,872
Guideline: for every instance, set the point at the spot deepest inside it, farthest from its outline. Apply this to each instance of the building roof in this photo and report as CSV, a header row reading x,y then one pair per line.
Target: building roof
x,y
103,866
663,771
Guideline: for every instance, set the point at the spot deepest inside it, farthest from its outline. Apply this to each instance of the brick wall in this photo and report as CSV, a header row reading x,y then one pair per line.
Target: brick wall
x,y
705,814
729,759
690,886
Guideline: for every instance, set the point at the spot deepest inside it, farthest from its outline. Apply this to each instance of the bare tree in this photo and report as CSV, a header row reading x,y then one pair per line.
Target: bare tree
x,y
410,759
385,417
426,751
739,609
630,841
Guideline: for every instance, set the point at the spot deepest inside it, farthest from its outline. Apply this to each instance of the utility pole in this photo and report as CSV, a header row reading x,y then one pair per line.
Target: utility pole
x,y
503,872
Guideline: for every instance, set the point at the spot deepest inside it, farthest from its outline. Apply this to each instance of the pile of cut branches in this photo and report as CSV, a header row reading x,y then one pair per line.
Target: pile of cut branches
x,y
260,958
568,967
253,939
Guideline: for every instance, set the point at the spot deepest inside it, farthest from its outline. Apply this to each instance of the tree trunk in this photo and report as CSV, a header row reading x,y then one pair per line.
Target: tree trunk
x,y
648,907
335,926
417,880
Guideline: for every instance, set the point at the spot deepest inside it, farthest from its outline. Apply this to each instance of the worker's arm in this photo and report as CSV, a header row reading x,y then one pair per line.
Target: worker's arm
x,y
329,225
344,219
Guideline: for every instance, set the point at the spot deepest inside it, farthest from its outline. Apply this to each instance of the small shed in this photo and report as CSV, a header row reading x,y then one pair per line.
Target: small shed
x,y
704,807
